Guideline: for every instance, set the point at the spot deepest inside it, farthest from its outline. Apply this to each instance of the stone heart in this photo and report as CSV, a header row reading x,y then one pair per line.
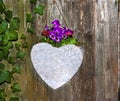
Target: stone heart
x,y
54,65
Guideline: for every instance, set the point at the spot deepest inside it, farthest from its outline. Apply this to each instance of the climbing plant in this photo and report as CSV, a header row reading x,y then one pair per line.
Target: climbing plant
x,y
12,55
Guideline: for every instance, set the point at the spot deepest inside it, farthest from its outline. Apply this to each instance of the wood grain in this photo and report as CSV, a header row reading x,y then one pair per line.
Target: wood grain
x,y
106,50
95,24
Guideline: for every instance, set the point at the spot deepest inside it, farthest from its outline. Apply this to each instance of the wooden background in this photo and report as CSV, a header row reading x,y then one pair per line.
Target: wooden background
x,y
96,25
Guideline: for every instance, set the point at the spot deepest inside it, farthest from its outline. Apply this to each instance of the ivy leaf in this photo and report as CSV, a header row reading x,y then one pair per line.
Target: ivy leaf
x,y
1,39
31,30
2,66
16,87
2,6
10,45
23,36
3,26
20,55
29,18
25,45
5,76
11,60
15,23
11,35
39,10
16,69
17,46
2,95
33,1
14,99
5,50
8,15
1,55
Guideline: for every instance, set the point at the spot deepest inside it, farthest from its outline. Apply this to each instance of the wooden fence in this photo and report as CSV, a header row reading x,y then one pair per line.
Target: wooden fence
x,y
96,25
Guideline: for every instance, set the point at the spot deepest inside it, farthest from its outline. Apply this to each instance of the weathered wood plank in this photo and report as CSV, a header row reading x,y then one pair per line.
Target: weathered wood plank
x,y
106,50
94,24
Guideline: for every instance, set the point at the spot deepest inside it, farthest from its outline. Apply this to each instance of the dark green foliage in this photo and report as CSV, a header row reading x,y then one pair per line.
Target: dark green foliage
x,y
2,95
5,50
39,10
14,23
23,36
29,18
20,55
3,27
31,30
8,15
2,66
1,55
14,99
17,46
11,35
2,6
16,69
16,87
10,50
25,45
5,76
33,1
11,60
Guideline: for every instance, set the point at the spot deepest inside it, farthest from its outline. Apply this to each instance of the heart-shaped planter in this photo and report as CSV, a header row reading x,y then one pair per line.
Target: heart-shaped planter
x,y
56,66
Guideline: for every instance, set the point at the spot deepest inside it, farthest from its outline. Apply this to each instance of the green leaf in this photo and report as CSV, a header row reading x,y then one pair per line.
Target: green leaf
x,y
5,76
29,18
8,15
16,69
2,95
1,55
11,60
15,23
33,1
2,66
16,87
11,35
5,50
10,45
3,26
23,36
39,10
2,6
20,55
17,46
31,30
14,99
25,45
73,41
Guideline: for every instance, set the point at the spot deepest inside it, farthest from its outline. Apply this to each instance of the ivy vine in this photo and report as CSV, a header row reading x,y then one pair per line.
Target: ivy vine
x,y
12,55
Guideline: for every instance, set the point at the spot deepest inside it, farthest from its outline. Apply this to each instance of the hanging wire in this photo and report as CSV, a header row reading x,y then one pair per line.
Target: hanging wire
x,y
60,12
54,2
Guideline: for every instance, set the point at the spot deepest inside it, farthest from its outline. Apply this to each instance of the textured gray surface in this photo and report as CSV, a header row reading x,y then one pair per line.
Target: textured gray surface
x,y
54,65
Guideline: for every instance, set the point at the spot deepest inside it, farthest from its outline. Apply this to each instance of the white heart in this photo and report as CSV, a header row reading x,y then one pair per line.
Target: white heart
x,y
56,66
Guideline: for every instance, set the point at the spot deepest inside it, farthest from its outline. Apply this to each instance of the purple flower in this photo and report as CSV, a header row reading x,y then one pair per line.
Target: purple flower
x,y
52,36
64,36
47,27
58,39
69,32
56,23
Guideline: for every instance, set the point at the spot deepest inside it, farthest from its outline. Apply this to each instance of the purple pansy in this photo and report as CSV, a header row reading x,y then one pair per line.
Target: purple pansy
x,y
56,23
56,32
52,36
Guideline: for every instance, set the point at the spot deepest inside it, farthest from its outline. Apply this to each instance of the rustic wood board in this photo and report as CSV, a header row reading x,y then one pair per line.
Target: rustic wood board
x,y
95,24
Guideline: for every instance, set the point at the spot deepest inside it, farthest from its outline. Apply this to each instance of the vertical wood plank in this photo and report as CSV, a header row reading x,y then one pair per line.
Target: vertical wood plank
x,y
79,16
106,50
